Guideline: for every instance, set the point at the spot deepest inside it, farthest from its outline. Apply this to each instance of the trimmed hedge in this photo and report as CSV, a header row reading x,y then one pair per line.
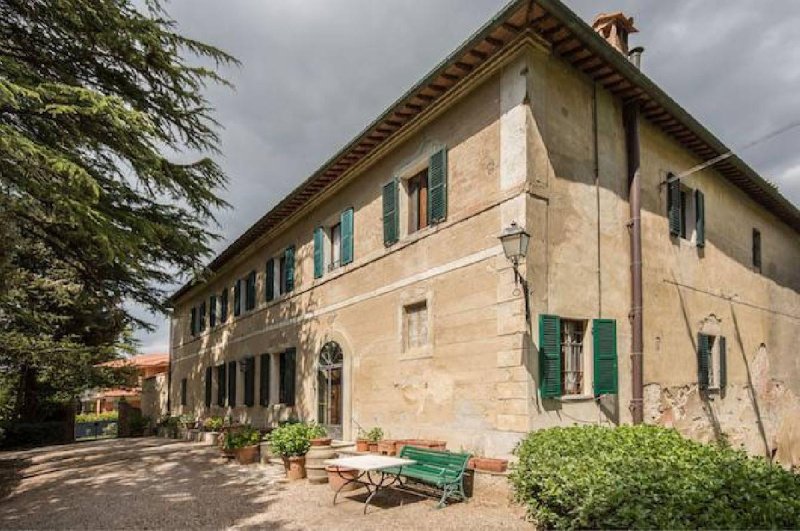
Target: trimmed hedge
x,y
106,416
648,477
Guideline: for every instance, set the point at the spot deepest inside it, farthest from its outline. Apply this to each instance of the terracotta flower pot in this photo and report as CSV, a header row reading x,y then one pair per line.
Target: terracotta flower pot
x,y
295,467
338,476
373,447
362,445
488,464
387,447
421,443
322,441
247,455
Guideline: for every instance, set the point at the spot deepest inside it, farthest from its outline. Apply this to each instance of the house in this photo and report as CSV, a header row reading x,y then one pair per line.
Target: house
x,y
147,367
378,291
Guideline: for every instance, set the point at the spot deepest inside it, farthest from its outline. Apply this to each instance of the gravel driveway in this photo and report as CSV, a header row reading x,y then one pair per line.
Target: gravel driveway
x,y
155,483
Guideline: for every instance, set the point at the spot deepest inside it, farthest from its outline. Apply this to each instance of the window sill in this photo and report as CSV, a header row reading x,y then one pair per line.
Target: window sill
x,y
420,353
575,398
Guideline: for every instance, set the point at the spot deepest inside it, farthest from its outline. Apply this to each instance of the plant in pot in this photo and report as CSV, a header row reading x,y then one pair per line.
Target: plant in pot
x,y
243,444
374,436
362,443
291,442
211,428
318,435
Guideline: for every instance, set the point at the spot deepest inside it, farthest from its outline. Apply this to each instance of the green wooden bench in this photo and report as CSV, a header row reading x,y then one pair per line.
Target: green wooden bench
x,y
443,470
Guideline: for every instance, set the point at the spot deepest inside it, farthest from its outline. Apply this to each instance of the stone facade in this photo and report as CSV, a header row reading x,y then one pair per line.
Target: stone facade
x,y
535,142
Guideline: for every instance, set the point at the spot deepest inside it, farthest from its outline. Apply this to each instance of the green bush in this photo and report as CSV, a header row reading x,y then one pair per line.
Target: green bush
x,y
374,435
97,417
241,437
213,424
316,431
30,434
290,440
648,477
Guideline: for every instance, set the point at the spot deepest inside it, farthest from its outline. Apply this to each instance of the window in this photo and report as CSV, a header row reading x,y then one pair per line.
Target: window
x,y
424,201
249,381
286,392
712,370
757,250
223,306
418,201
193,322
237,298
333,246
685,212
212,311
231,384
209,383
183,391
201,317
221,379
572,333
265,364
250,292
415,318
279,278
562,356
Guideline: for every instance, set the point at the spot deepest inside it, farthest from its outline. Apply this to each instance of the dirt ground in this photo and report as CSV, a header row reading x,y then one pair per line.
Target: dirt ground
x,y
156,484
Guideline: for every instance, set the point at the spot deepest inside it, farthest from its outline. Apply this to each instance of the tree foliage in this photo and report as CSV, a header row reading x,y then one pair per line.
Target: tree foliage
x,y
105,190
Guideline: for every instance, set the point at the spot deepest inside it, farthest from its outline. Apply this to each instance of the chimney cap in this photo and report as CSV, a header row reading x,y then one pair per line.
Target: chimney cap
x,y
618,18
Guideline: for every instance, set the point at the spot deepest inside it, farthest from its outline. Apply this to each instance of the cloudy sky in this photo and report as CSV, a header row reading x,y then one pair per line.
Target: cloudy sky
x,y
315,72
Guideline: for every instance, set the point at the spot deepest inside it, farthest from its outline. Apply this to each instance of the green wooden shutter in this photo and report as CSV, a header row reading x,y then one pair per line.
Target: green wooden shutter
x,y
550,355
674,206
193,324
209,382
223,306
221,379
201,318
232,384
289,254
723,363
391,220
237,298
250,292
269,280
703,360
605,356
212,311
265,368
347,222
700,211
250,382
319,252
288,370
437,187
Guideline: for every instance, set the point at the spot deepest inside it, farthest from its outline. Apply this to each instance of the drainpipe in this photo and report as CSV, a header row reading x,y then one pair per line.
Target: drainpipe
x,y
631,117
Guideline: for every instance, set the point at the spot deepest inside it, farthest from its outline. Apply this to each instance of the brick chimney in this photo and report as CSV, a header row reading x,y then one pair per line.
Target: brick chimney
x,y
615,28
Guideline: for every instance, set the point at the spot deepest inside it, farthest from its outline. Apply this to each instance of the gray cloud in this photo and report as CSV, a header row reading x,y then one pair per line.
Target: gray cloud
x,y
315,72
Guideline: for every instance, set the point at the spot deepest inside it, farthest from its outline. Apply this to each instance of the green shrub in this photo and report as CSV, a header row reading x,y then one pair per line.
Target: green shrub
x,y
648,477
213,424
97,417
241,437
316,431
290,440
30,434
139,423
374,435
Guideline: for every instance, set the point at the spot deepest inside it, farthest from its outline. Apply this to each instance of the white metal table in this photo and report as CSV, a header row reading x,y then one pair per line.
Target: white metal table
x,y
367,465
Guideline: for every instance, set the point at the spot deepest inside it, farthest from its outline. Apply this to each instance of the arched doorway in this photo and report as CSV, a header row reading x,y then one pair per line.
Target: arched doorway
x,y
330,389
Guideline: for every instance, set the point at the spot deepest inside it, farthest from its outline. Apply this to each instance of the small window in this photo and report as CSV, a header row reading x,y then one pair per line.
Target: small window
x,y
572,338
416,325
193,323
281,275
201,318
757,250
712,362
265,368
418,201
231,384
209,385
335,249
250,292
183,391
249,382
686,212
221,379
212,311
223,306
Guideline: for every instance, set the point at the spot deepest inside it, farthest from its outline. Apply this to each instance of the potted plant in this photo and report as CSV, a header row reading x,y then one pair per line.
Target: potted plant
x,y
211,429
488,464
362,443
291,441
243,444
318,435
374,436
339,475
186,425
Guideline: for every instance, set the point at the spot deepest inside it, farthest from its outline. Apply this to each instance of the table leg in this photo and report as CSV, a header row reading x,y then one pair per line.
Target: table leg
x,y
355,479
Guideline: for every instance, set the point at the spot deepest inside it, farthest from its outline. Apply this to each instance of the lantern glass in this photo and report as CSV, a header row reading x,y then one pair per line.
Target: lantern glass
x,y
515,242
